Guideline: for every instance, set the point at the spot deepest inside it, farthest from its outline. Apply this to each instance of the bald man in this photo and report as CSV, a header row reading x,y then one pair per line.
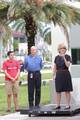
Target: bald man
x,y
33,64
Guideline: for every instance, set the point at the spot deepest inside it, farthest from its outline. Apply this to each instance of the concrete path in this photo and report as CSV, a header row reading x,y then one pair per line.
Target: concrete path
x,y
14,116
18,116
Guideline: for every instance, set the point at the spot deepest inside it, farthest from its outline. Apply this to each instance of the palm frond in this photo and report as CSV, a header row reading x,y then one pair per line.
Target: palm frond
x,y
7,35
71,14
32,13
18,25
3,10
47,37
46,31
62,15
5,32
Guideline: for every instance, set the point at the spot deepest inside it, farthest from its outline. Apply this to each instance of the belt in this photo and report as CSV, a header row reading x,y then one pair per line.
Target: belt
x,y
33,71
62,70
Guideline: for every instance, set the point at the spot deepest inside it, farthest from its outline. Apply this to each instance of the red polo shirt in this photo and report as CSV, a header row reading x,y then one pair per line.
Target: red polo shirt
x,y
12,67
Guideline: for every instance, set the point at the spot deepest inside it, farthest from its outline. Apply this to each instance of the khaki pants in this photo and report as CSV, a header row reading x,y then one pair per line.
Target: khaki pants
x,y
12,88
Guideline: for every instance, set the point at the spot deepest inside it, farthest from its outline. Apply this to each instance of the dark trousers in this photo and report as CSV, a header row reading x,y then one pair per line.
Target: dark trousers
x,y
34,88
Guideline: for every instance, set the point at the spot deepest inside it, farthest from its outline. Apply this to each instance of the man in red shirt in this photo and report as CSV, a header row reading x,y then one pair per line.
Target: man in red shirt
x,y
11,69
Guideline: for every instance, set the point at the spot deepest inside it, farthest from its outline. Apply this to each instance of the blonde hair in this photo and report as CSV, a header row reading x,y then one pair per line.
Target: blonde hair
x,y
62,45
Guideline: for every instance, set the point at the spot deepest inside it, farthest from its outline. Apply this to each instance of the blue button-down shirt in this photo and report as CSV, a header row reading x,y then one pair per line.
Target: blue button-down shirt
x,y
33,63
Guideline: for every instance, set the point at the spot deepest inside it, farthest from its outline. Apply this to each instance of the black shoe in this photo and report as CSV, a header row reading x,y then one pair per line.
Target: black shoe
x,y
67,107
37,107
31,107
57,108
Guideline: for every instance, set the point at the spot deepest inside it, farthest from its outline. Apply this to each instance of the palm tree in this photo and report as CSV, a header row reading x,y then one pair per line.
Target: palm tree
x,y
33,11
5,31
25,14
45,31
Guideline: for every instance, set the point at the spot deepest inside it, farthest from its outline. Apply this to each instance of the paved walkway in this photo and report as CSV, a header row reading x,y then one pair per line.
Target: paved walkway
x,y
18,116
14,116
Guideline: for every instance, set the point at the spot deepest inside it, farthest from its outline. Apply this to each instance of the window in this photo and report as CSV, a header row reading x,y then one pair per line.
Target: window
x,y
75,56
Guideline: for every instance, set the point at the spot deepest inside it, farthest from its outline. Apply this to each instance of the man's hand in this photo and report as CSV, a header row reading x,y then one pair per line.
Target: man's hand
x,y
13,80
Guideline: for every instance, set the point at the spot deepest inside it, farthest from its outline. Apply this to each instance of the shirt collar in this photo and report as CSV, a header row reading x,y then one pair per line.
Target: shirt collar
x,y
9,60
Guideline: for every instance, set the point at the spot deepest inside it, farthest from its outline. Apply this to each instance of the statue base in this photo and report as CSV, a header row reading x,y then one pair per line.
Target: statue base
x,y
49,110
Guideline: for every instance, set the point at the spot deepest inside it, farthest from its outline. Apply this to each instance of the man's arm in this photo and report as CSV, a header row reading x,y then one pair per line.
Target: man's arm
x,y
4,68
5,71
18,74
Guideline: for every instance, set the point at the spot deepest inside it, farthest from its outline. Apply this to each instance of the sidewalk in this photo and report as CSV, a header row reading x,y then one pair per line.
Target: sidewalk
x,y
14,116
18,116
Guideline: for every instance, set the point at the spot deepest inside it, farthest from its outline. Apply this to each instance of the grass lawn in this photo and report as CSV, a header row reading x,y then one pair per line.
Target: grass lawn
x,y
2,79
45,76
23,97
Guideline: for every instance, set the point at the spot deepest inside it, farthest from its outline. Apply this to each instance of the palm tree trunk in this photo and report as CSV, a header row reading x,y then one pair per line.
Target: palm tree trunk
x,y
31,30
31,42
